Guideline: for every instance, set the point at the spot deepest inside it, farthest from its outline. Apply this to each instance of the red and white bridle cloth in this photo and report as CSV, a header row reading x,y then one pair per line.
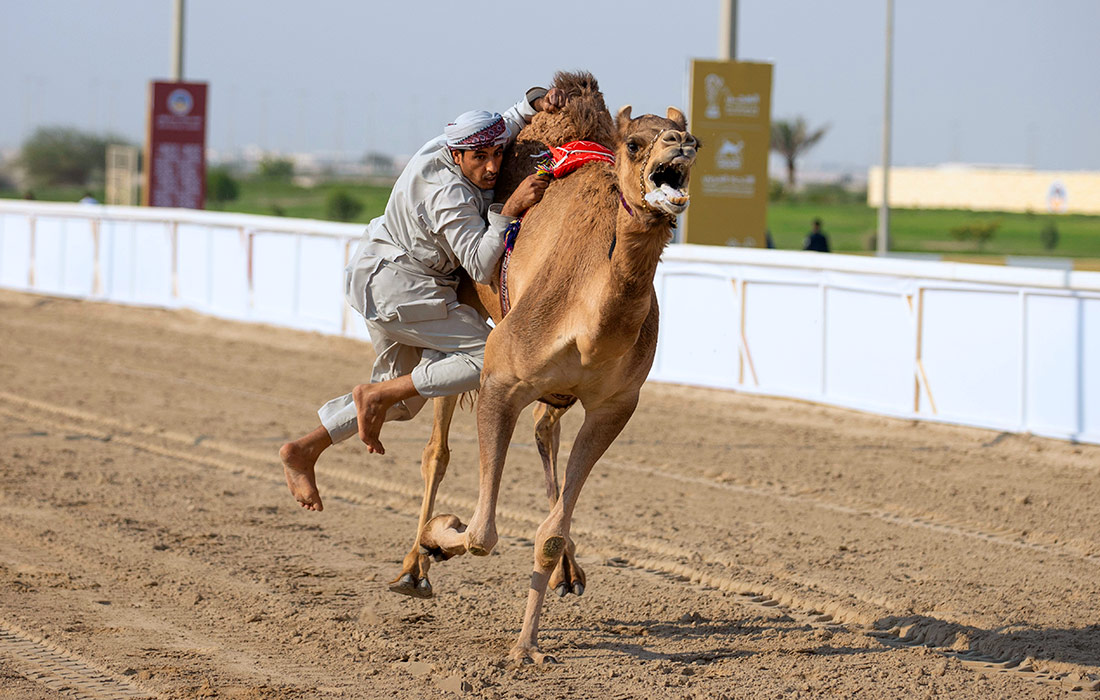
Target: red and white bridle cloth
x,y
557,162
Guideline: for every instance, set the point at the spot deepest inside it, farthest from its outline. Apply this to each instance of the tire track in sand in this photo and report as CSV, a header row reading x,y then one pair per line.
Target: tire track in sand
x,y
61,670
989,655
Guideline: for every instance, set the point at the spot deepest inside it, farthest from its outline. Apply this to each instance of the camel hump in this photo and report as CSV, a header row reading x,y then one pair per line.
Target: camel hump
x,y
584,118
576,84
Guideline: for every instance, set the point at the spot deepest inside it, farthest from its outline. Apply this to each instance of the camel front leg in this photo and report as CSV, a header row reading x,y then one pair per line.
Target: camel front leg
x,y
600,428
413,579
498,407
568,577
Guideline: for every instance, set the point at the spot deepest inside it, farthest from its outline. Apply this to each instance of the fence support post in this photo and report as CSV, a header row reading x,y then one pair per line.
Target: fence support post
x,y
345,311
173,228
31,223
97,272
1023,360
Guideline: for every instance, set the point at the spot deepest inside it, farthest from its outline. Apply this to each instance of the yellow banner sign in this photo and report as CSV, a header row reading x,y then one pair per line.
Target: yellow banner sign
x,y
731,114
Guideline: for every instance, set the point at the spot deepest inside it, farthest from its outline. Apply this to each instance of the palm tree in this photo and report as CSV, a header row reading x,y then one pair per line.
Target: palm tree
x,y
792,139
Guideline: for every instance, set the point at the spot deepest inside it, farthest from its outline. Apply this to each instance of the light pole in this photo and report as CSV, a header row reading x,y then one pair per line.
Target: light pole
x,y
883,245
177,40
727,31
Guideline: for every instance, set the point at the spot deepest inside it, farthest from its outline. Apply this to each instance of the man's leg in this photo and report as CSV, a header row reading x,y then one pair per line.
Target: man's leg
x,y
339,422
371,403
452,350
299,458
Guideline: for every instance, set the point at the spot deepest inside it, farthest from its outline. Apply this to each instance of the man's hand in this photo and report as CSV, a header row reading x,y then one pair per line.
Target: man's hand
x,y
528,194
551,102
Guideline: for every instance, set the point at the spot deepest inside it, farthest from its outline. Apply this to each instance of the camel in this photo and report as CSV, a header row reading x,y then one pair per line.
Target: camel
x,y
582,327
585,118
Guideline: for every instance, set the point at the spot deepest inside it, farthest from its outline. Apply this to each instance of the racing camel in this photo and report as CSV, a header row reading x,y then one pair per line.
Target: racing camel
x,y
582,327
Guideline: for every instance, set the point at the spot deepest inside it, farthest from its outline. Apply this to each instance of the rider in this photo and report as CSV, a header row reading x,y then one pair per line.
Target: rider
x,y
403,280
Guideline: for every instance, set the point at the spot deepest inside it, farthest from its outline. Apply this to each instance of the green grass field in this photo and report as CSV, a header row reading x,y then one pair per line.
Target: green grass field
x,y
850,226
286,199
258,196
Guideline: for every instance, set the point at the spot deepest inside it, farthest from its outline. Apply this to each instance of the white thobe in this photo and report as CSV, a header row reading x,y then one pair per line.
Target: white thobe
x,y
403,278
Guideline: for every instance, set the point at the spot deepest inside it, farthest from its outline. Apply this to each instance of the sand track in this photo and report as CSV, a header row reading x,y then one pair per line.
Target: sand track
x,y
736,546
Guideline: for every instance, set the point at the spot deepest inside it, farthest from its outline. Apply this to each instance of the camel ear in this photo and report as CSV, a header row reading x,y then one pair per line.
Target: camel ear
x,y
677,116
623,119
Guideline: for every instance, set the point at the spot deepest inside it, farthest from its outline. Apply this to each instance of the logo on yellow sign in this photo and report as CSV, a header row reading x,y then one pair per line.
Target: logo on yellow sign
x,y
731,154
722,102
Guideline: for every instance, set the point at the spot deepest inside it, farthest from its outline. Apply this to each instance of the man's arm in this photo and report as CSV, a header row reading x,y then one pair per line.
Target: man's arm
x,y
536,100
477,245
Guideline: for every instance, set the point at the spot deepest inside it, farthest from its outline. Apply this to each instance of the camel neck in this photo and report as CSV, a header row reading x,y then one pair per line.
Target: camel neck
x,y
640,238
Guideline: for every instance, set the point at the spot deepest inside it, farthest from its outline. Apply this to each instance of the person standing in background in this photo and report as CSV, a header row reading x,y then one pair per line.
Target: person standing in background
x,y
816,240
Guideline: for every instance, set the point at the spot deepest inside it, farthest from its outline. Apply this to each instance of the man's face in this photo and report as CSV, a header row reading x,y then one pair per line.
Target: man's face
x,y
480,166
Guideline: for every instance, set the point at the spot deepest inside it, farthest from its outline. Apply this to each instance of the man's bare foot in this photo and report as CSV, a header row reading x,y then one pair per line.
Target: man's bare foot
x,y
371,407
298,463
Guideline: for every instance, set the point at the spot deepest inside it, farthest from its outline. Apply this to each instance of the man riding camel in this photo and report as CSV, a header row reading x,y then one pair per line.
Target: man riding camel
x,y
403,279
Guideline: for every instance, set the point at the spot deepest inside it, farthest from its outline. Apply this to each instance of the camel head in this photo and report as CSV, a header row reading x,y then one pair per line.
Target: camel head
x,y
654,160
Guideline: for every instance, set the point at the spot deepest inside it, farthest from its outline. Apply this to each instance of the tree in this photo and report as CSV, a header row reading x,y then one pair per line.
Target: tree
x,y
276,168
979,231
221,187
1048,235
379,163
341,206
58,155
793,139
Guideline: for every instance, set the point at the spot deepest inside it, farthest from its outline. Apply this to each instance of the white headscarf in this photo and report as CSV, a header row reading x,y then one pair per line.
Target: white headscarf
x,y
476,129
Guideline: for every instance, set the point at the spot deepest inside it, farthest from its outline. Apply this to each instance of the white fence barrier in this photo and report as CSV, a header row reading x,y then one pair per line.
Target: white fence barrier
x,y
1001,347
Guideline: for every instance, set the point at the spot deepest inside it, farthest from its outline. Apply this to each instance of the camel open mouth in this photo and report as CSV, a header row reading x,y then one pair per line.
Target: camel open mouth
x,y
669,174
667,181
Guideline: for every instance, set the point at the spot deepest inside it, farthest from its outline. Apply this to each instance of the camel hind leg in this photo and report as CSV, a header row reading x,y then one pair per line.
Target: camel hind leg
x,y
568,577
413,579
601,427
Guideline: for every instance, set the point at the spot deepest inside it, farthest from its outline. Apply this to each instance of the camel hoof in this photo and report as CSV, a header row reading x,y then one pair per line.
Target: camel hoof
x,y
522,656
562,590
408,585
424,588
578,589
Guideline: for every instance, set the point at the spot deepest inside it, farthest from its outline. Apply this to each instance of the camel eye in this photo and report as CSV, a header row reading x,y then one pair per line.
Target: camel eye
x,y
632,147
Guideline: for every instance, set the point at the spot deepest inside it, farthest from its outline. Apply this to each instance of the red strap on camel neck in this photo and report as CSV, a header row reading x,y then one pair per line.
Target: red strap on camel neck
x,y
567,157
558,161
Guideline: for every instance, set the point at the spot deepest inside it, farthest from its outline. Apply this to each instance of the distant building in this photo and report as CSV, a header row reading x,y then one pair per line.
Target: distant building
x,y
311,168
988,188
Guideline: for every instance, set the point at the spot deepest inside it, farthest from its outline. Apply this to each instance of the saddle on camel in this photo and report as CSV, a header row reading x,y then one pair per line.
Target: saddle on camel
x,y
582,327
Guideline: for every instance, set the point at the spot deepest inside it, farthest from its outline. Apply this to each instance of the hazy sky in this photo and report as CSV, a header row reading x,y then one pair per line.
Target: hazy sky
x,y
987,81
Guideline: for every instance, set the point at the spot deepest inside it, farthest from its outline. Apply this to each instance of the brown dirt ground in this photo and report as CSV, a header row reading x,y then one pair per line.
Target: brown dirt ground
x,y
736,546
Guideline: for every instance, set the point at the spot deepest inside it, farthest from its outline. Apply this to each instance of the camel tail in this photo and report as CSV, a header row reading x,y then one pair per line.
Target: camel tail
x,y
468,401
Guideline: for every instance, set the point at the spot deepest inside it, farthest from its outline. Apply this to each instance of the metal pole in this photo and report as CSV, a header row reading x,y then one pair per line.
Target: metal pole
x,y
177,40
884,209
727,31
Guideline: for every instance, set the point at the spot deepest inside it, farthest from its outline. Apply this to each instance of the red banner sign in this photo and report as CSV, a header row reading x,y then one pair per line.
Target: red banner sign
x,y
175,146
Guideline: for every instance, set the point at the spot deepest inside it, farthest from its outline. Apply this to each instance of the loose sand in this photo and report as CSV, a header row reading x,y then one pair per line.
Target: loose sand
x,y
736,546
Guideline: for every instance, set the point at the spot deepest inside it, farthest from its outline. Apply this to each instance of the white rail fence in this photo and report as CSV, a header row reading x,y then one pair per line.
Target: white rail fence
x,y
1013,349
